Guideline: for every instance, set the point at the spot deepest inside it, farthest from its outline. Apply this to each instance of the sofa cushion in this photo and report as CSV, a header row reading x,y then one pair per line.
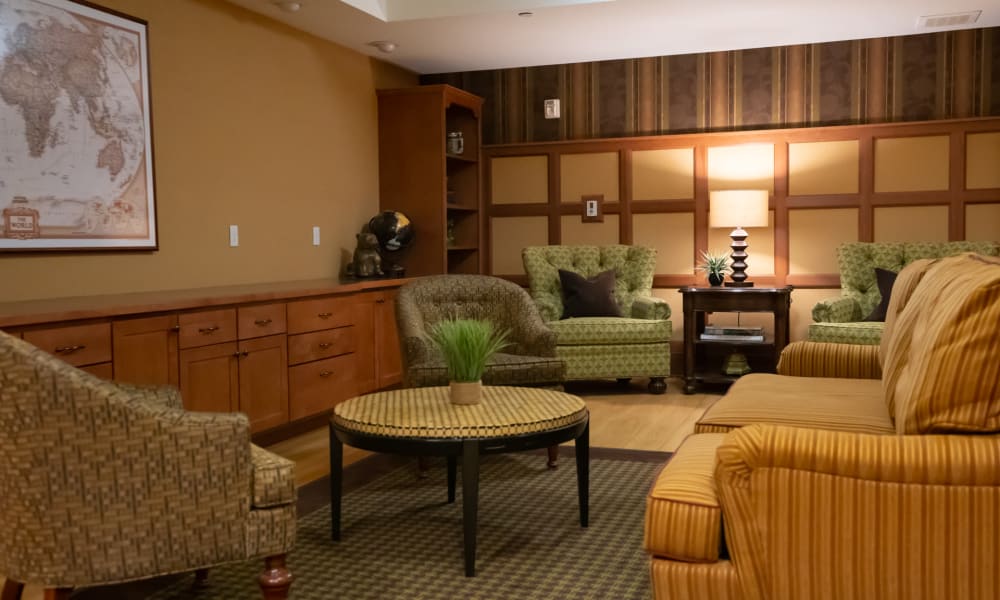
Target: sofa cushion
x,y
616,360
942,372
593,297
610,330
501,369
857,332
816,402
273,479
683,517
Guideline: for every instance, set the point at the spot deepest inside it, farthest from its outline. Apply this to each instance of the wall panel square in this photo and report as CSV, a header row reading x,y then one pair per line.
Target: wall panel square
x,y
742,167
813,237
519,179
663,174
576,232
982,157
588,174
509,235
911,164
800,313
823,168
911,224
672,234
982,222
760,246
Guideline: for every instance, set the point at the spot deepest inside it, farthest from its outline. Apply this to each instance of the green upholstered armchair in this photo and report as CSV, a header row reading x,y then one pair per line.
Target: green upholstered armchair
x,y
841,319
636,345
104,483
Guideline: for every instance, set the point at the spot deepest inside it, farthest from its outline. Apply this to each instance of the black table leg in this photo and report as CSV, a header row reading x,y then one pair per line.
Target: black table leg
x,y
583,474
452,468
336,483
470,502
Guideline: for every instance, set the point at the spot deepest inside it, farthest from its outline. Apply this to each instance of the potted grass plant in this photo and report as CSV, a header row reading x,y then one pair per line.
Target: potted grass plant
x,y
466,345
716,266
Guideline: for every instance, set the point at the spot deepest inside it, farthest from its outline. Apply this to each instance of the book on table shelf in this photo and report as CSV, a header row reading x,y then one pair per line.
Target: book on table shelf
x,y
734,330
731,337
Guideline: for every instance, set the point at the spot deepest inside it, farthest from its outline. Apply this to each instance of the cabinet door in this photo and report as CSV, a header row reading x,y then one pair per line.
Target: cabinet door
x,y
264,381
389,363
145,350
209,378
365,373
318,386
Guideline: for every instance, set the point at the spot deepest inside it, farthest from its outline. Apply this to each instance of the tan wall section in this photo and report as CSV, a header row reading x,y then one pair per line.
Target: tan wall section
x,y
672,234
760,246
676,302
747,166
575,232
813,237
982,222
588,174
823,168
663,174
800,313
911,224
255,124
510,235
520,180
982,160
913,164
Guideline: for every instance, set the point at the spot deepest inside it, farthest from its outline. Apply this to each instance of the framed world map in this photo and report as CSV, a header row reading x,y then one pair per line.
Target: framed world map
x,y
76,153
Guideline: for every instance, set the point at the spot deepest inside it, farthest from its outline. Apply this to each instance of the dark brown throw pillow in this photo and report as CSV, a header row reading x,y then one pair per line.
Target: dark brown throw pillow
x,y
593,297
885,279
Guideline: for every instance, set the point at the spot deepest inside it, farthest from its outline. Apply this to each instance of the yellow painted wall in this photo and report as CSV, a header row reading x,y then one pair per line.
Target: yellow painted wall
x,y
255,124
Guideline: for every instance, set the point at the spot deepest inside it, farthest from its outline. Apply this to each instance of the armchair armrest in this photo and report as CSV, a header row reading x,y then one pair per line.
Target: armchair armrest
x,y
819,359
650,307
795,498
163,395
837,310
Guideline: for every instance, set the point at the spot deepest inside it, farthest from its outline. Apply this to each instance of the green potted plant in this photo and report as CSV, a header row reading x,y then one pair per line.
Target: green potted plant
x,y
466,345
716,266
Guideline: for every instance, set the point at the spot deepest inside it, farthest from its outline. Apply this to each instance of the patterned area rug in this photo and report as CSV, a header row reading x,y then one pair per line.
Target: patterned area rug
x,y
402,540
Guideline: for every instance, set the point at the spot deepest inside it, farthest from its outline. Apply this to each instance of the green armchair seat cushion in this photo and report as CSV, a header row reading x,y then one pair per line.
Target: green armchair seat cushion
x,y
610,330
502,369
859,332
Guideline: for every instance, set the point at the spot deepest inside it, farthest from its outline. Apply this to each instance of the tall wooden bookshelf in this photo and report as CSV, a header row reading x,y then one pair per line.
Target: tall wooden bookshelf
x,y
420,178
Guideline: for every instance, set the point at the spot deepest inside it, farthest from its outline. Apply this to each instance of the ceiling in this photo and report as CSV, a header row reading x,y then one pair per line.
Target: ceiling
x,y
440,36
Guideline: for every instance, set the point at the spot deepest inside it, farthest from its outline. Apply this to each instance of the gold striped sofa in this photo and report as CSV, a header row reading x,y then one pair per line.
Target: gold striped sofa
x,y
862,472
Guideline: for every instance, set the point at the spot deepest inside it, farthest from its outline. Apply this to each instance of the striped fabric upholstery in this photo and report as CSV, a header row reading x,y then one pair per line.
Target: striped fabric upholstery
x,y
906,281
831,515
826,403
943,364
683,518
675,580
815,359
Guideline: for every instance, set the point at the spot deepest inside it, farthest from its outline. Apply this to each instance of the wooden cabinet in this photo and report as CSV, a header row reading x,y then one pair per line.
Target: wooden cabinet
x,y
322,343
145,350
263,368
210,378
379,362
439,190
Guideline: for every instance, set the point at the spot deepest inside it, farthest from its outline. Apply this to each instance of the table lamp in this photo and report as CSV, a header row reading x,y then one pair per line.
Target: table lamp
x,y
739,209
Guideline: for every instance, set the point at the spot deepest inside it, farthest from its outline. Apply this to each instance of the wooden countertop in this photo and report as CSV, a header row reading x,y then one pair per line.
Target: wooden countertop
x,y
34,312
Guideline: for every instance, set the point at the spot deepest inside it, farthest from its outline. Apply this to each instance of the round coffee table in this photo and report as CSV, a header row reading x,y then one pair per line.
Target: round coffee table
x,y
423,422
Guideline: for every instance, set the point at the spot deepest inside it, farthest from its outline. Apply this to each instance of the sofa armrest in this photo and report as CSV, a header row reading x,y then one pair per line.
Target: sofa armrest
x,y
820,359
795,498
837,310
650,307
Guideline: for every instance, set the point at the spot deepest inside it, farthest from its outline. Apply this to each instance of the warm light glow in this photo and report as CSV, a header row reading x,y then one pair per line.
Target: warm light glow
x,y
737,208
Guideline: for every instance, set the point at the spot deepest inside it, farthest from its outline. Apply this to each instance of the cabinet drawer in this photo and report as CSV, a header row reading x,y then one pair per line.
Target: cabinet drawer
x,y
207,327
77,344
318,386
320,344
102,370
260,320
321,313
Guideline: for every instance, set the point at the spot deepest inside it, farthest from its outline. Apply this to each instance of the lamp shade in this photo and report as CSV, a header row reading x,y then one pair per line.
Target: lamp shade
x,y
737,208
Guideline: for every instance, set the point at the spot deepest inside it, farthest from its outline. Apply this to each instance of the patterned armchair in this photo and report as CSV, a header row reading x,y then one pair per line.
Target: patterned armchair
x,y
636,345
841,319
102,483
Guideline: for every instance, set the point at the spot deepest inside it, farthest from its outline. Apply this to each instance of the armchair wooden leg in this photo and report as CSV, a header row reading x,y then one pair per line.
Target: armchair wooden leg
x,y
57,593
276,578
12,590
553,456
657,385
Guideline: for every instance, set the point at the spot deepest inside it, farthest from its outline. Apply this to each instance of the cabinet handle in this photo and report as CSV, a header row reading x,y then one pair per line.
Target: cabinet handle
x,y
239,354
324,315
69,349
175,328
325,373
262,322
324,345
208,330
380,301
244,353
236,354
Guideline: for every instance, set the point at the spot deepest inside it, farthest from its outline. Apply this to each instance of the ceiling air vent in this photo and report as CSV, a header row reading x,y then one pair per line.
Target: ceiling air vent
x,y
949,20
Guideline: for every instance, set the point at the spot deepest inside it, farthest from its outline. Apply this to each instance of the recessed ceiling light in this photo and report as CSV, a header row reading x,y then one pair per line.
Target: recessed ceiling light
x,y
525,13
384,45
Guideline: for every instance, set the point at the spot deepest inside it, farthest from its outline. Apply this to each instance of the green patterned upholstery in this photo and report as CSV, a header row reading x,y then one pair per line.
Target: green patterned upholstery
x,y
840,319
530,360
637,345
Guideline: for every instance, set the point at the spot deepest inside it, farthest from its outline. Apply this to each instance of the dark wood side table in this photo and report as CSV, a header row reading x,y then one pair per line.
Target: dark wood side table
x,y
703,358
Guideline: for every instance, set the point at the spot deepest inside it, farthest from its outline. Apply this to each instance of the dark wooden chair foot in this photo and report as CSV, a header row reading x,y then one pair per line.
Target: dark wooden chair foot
x,y
276,578
12,590
553,457
657,385
57,593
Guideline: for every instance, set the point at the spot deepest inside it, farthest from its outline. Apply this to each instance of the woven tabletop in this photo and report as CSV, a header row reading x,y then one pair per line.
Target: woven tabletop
x,y
428,413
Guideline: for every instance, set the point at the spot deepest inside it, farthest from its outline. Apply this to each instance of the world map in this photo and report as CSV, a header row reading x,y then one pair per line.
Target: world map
x,y
72,122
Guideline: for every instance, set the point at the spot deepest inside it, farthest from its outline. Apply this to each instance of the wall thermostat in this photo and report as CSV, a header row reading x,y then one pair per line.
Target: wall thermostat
x,y
552,108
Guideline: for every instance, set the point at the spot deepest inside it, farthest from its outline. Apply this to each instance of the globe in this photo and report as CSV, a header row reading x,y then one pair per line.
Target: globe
x,y
393,230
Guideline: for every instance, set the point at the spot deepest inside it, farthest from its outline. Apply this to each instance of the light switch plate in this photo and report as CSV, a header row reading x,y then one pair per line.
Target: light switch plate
x,y
315,236
593,208
234,236
551,108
